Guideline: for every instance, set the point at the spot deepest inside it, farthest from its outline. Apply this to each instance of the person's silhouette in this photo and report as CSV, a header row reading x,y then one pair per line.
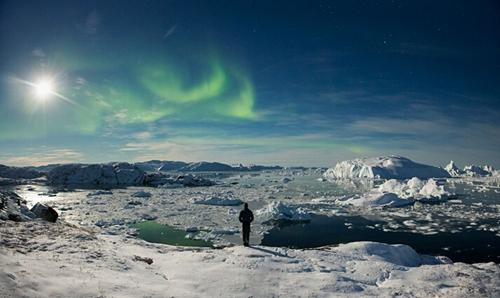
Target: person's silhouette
x,y
246,217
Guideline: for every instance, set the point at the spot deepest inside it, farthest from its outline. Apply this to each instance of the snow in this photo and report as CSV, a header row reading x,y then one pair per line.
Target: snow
x,y
279,211
60,260
96,174
218,201
384,167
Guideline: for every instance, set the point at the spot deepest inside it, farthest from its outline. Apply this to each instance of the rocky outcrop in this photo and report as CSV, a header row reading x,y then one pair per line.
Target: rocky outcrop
x,y
45,212
13,207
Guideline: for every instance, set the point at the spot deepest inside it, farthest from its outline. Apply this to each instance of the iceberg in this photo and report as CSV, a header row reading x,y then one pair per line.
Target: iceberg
x,y
397,193
470,170
475,171
376,199
278,211
453,169
384,167
96,174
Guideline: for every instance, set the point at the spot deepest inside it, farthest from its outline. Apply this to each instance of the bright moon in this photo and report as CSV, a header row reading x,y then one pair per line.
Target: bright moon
x,y
43,88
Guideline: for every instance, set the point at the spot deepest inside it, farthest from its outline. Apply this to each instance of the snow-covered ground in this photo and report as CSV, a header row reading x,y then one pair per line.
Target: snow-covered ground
x,y
40,259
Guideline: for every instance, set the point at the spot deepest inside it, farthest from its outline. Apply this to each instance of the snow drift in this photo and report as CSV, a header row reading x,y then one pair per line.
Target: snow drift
x,y
384,167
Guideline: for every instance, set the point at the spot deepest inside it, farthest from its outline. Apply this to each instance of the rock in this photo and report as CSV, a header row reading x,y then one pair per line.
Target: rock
x,y
12,207
99,193
45,212
146,260
141,194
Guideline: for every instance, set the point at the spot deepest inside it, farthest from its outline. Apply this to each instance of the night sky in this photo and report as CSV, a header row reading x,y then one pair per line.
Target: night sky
x,y
268,82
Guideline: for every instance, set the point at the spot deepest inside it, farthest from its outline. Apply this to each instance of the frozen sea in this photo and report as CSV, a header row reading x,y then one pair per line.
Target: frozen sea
x,y
465,228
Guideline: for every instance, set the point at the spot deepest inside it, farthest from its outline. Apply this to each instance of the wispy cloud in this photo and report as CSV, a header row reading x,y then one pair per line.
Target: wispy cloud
x,y
170,31
43,157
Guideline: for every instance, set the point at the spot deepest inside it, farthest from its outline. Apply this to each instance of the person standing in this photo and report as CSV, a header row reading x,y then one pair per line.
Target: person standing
x,y
246,217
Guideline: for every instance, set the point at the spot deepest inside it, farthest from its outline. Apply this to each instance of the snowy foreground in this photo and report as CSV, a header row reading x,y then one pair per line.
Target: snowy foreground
x,y
41,259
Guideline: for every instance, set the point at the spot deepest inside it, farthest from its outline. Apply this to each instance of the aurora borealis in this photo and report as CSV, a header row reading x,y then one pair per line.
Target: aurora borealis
x,y
303,83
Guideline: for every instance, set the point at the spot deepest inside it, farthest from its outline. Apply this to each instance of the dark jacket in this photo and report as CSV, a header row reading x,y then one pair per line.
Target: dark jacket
x,y
246,216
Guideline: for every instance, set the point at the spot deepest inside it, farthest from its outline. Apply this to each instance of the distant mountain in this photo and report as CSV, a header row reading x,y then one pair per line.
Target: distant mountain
x,y
19,172
205,166
172,166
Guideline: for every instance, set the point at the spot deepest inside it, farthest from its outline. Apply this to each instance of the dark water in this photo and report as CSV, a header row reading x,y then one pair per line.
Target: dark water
x,y
152,231
468,246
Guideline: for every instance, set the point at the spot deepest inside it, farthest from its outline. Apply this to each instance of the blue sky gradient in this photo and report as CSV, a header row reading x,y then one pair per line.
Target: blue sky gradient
x,y
269,82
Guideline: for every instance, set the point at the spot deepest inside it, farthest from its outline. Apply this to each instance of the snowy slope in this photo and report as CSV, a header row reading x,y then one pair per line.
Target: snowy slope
x,y
57,260
384,167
